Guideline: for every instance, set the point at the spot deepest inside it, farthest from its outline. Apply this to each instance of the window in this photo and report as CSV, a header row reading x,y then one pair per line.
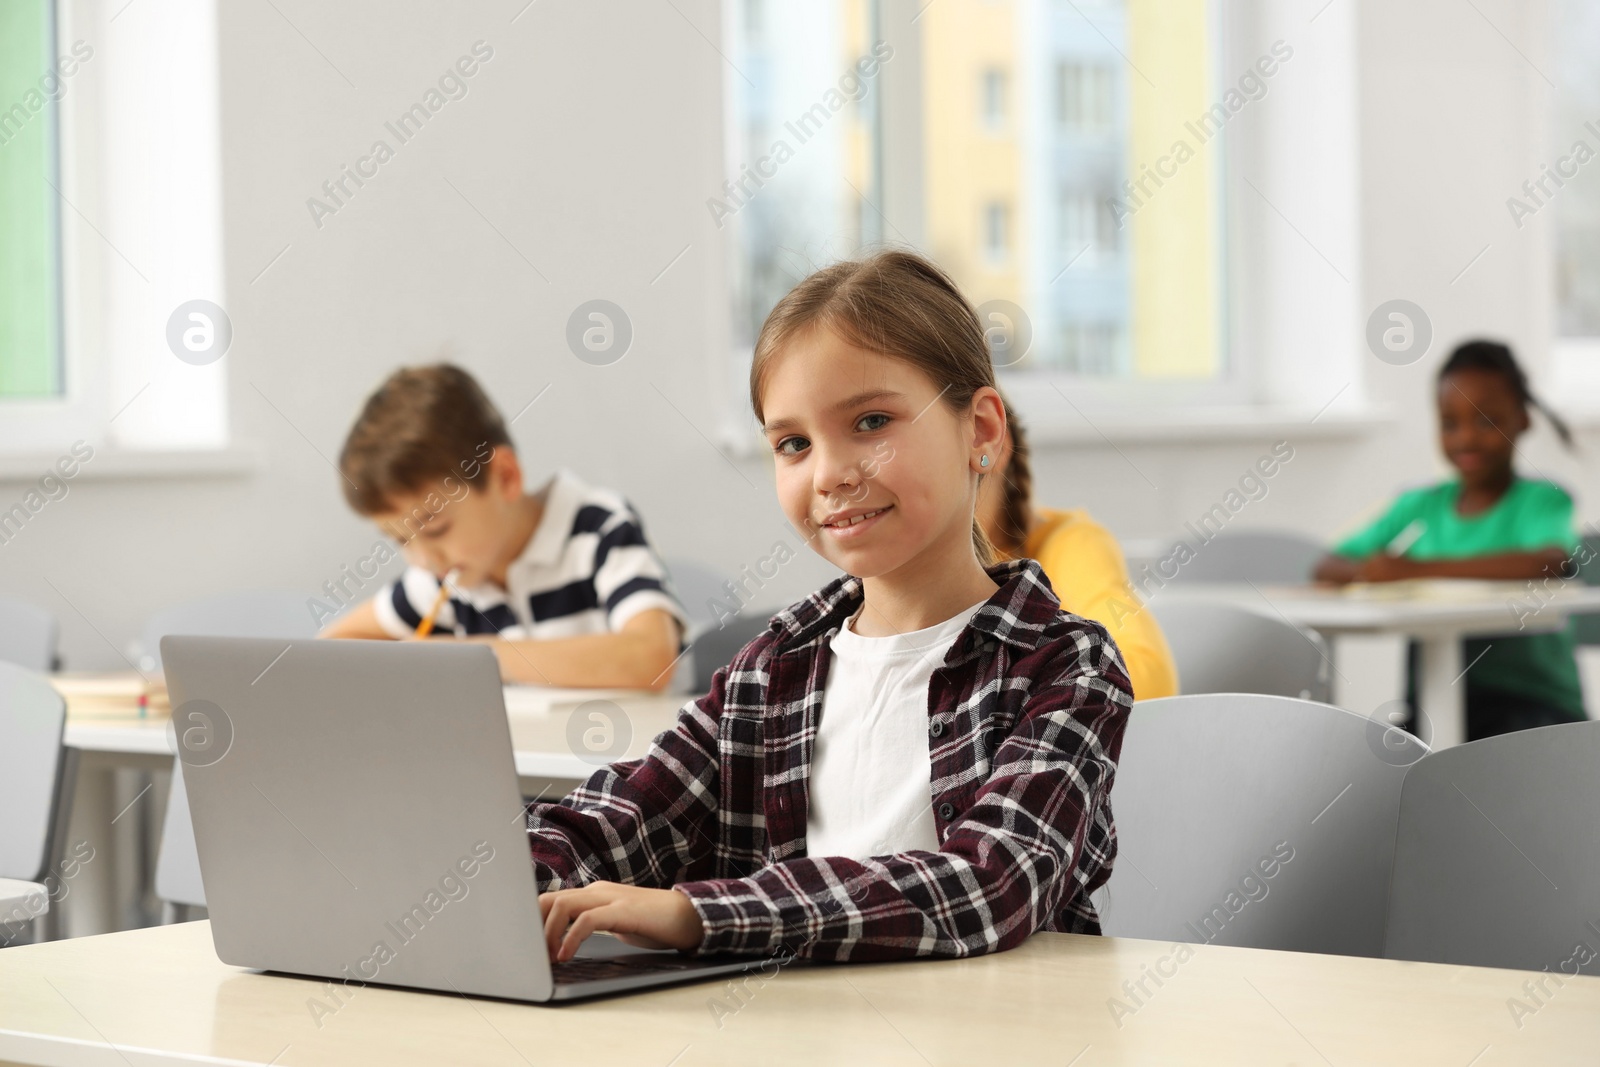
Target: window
x,y
110,210
994,98
30,275
1019,145
801,146
1575,204
996,246
1085,95
1088,231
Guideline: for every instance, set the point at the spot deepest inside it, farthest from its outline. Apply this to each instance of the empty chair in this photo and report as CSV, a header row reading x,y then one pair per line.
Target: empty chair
x,y
1497,855
1272,556
1223,648
28,635
1586,628
35,782
257,613
716,646
178,880
1257,821
696,586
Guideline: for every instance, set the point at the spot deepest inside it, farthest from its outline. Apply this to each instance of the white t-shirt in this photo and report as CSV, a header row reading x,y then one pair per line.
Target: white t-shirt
x,y
871,776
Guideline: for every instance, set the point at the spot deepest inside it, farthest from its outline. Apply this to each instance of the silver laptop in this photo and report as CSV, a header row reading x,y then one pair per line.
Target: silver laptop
x,y
357,816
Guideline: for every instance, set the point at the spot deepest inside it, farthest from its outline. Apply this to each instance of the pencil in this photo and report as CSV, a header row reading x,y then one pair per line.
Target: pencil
x,y
1402,542
425,627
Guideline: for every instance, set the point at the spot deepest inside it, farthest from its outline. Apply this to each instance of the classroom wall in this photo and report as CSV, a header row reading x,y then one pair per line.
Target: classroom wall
x,y
577,167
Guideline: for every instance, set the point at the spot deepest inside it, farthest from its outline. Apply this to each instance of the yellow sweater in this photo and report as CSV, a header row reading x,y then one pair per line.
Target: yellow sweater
x,y
1090,578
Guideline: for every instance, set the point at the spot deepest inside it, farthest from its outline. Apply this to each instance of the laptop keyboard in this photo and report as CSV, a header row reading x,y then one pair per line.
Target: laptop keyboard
x,y
596,970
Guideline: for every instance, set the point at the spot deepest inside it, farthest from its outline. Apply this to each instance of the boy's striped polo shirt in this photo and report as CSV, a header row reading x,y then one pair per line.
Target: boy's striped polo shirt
x,y
587,569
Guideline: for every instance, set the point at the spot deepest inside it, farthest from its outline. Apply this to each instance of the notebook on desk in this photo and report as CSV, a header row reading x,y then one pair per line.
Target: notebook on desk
x,y
357,818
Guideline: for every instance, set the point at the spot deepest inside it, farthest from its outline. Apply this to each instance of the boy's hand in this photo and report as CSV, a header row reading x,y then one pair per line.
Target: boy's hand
x,y
644,918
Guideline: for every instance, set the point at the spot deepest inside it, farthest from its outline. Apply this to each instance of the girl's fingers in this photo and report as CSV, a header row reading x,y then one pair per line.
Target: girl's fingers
x,y
555,921
582,926
561,909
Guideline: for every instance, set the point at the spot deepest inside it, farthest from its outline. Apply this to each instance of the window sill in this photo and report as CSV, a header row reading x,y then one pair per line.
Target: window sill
x,y
1202,425
113,464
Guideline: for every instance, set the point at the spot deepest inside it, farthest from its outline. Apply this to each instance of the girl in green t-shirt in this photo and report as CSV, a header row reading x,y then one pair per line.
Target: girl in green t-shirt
x,y
1487,523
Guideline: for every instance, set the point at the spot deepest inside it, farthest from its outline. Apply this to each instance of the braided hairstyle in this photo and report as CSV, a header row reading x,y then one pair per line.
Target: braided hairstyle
x,y
1016,501
1496,358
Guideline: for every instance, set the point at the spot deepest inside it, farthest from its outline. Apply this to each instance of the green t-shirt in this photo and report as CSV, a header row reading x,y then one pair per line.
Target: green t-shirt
x,y
1532,515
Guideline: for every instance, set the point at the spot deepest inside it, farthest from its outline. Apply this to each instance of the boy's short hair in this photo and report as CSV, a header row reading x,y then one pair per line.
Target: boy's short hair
x,y
422,426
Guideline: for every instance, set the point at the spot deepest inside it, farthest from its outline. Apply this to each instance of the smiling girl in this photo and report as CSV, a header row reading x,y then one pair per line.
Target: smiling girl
x,y
916,760
1488,522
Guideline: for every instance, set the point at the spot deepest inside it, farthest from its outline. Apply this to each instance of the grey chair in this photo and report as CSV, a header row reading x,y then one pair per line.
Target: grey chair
x,y
1587,626
178,881
1497,856
715,647
696,586
1257,821
1271,556
1219,647
256,613
28,635
36,779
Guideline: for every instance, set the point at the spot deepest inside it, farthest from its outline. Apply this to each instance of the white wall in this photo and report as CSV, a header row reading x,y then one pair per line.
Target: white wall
x,y
592,140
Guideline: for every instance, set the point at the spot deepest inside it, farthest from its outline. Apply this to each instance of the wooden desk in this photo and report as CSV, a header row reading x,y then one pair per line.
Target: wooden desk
x,y
160,996
1437,614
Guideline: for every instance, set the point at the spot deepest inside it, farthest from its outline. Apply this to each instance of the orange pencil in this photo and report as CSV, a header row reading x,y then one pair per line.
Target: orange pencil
x,y
425,627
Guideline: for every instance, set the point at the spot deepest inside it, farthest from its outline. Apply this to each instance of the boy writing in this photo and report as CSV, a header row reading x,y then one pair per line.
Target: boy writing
x,y
561,582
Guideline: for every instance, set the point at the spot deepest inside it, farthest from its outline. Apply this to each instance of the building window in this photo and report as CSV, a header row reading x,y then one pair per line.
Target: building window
x,y
996,235
994,99
1085,95
1088,228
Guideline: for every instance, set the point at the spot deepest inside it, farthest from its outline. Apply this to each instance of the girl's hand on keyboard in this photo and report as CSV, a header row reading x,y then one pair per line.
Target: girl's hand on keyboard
x,y
644,918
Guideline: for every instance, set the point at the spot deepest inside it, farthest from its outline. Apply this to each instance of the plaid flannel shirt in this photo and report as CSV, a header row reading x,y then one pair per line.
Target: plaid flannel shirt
x,y
1025,721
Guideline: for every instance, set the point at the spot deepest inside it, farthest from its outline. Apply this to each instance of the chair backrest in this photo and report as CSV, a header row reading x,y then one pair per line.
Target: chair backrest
x,y
1220,647
1257,821
28,635
1252,555
716,646
256,613
178,860
696,586
1497,856
32,762
1587,627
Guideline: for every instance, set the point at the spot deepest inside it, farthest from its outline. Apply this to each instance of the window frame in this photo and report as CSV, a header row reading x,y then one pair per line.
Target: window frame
x,y
109,360
1292,349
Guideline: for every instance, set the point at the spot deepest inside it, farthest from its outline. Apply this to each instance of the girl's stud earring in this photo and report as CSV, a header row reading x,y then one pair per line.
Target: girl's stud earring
x,y
983,461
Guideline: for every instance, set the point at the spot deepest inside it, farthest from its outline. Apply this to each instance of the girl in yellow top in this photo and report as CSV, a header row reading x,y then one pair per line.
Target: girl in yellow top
x,y
1081,559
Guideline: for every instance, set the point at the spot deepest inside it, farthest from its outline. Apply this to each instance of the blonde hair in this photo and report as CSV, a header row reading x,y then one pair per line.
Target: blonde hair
x,y
901,305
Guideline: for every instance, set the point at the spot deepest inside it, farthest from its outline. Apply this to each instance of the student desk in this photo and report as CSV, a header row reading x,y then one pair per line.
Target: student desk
x,y
545,744
553,755
160,996
1437,614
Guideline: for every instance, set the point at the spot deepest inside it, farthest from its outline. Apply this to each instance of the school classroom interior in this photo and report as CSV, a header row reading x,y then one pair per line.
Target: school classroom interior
x,y
1296,301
